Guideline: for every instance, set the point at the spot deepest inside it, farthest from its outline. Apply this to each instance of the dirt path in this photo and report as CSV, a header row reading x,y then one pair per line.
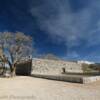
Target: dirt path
x,y
29,88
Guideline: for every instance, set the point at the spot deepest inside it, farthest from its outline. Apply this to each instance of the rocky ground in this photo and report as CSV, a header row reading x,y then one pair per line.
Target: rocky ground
x,y
30,88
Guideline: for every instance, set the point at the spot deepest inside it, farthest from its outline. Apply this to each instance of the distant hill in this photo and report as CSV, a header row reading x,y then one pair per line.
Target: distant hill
x,y
50,56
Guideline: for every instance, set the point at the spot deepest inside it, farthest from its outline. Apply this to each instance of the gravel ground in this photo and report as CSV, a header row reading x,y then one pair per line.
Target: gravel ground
x,y
30,88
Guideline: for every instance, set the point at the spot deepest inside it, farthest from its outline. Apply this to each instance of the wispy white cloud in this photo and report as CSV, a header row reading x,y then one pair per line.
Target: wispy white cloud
x,y
62,24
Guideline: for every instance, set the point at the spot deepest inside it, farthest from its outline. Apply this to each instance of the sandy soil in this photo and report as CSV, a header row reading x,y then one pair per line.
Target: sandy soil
x,y
30,88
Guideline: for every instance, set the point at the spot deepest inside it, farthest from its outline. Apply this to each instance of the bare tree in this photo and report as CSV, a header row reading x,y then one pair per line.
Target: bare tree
x,y
14,47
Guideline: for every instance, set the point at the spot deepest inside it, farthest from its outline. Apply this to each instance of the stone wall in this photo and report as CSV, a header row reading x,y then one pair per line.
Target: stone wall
x,y
24,67
46,66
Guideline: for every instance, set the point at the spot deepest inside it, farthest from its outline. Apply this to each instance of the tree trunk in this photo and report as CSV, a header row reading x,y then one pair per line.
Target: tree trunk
x,y
3,72
12,68
13,71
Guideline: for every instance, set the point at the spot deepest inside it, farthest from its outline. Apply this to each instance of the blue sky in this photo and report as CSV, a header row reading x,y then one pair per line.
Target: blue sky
x,y
69,29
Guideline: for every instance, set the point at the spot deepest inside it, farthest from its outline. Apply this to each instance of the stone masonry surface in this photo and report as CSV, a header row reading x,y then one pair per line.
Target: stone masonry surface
x,y
55,66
